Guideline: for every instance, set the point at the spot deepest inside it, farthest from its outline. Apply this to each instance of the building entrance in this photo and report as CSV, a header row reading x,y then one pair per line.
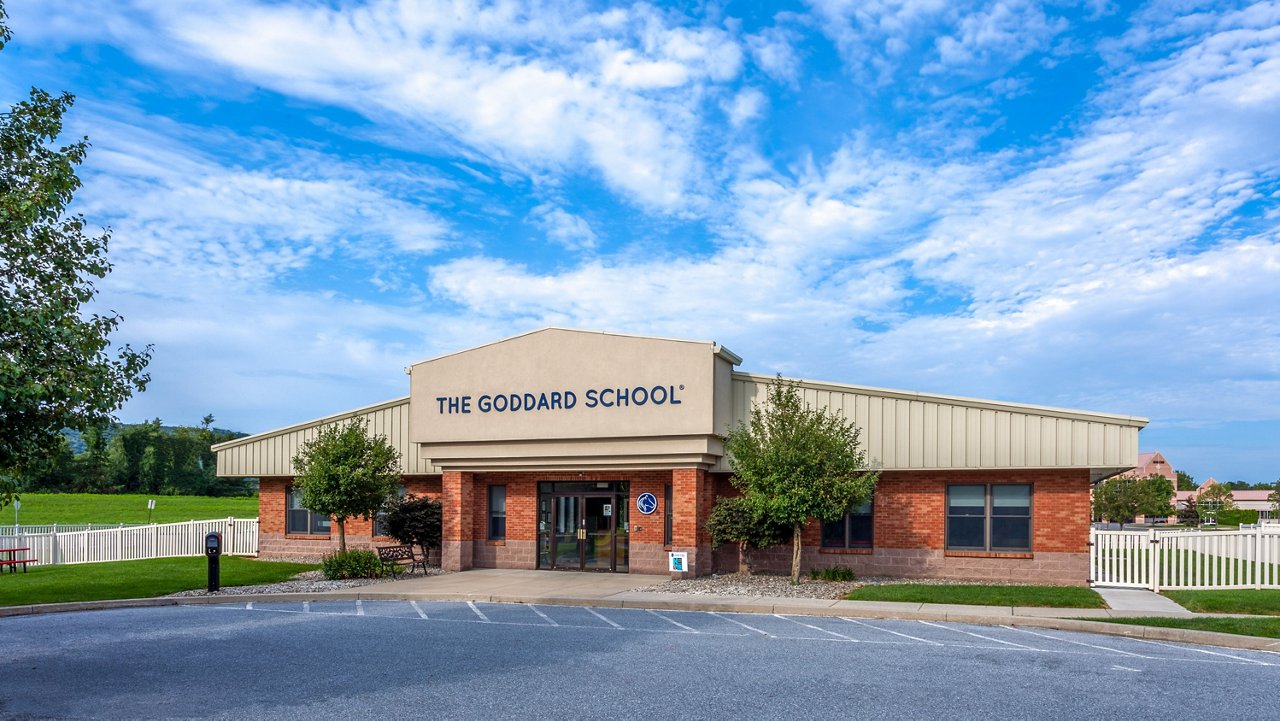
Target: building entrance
x,y
583,526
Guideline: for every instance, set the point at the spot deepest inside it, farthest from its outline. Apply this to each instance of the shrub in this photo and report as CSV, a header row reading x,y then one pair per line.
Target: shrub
x,y
1236,516
734,521
414,519
353,563
833,573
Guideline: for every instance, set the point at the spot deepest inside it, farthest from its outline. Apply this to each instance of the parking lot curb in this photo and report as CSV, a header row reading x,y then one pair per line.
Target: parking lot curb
x,y
761,605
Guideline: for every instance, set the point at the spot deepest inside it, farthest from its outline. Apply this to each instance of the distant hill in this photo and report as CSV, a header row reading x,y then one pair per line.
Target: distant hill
x,y
77,440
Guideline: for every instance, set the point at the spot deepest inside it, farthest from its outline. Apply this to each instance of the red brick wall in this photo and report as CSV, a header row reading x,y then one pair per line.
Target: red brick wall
x,y
273,503
910,531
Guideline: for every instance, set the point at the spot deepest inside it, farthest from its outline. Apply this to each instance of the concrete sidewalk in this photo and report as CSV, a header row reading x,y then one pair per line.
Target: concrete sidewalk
x,y
622,590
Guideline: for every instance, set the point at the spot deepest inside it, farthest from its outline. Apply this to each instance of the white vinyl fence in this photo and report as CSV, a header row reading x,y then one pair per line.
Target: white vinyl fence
x,y
61,528
1186,559
157,540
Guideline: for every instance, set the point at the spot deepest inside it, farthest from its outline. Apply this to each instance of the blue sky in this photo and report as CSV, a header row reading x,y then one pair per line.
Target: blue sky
x,y
1055,203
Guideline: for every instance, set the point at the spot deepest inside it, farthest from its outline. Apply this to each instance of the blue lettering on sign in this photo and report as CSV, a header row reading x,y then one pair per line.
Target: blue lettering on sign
x,y
616,397
646,503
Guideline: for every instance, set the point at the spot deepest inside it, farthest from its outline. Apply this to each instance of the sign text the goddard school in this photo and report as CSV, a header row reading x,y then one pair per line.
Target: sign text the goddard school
x,y
659,395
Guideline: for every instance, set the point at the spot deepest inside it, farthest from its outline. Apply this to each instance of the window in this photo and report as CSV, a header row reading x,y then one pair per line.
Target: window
x,y
302,521
666,515
497,513
379,525
993,517
852,531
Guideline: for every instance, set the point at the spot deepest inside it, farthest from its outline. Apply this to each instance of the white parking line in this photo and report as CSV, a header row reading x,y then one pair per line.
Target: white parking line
x,y
359,607
306,607
1078,643
664,618
418,609
545,617
1201,650
740,623
904,635
248,606
978,635
478,611
816,628
600,616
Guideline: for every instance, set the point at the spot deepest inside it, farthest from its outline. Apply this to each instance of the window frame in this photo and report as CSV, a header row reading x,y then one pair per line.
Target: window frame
x,y
381,515
847,521
667,515
313,518
988,507
492,516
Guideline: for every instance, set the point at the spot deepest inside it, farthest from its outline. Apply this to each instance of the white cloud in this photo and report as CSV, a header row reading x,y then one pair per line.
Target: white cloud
x,y
544,87
747,105
563,228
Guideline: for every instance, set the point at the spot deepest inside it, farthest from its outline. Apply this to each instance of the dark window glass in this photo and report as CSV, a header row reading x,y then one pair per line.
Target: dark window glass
x,y
379,525
1011,517
852,531
497,513
302,521
987,518
666,515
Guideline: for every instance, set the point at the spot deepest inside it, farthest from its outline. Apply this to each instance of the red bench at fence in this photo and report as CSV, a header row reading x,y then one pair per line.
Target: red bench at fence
x,y
9,557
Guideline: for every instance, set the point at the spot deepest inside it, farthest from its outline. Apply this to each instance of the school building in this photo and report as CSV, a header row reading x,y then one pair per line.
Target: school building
x,y
577,450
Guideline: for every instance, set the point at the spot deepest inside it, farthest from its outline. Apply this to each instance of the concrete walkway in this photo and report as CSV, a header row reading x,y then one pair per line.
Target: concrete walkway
x,y
1139,602
621,590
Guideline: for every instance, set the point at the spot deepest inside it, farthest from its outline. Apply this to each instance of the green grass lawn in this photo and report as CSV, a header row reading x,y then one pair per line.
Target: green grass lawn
x,y
978,595
134,579
1265,602
1263,627
45,508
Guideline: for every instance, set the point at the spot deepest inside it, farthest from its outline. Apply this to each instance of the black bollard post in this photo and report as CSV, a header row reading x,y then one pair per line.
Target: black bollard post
x,y
213,551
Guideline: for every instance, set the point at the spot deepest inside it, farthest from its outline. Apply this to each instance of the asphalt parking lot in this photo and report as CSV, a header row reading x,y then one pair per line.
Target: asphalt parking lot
x,y
374,659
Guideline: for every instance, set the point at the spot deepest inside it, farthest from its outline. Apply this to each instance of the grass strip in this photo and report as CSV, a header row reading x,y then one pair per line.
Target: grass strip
x,y
1261,627
980,595
1263,602
135,579
47,508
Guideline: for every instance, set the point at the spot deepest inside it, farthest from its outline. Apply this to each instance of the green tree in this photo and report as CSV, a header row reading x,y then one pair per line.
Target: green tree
x,y
1274,499
1185,481
735,520
55,369
344,472
794,463
1124,498
1216,497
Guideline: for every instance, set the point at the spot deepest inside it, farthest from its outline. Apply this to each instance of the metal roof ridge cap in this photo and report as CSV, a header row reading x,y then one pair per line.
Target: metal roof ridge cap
x,y
315,421
1139,421
715,347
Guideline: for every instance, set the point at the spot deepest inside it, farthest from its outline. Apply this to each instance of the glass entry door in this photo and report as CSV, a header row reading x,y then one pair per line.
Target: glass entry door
x,y
583,527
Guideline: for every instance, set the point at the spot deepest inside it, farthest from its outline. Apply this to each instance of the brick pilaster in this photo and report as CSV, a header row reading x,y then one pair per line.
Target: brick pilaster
x,y
458,530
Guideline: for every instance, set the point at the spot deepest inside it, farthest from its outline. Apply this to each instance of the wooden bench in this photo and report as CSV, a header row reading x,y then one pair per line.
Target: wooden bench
x,y
396,558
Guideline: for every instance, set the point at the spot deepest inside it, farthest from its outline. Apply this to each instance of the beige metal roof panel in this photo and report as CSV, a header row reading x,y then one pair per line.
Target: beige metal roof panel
x,y
903,430
271,453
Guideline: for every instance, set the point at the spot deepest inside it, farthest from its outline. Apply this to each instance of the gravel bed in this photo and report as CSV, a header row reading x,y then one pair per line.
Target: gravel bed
x,y
306,582
740,584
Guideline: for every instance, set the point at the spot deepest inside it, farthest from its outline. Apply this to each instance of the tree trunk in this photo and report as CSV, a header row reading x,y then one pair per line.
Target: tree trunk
x,y
744,554
342,534
795,554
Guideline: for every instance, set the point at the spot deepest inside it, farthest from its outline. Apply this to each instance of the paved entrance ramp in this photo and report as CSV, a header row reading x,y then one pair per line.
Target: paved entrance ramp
x,y
1140,602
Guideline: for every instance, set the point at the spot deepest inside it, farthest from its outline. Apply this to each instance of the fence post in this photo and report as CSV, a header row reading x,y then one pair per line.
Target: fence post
x,y
1153,559
1258,568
